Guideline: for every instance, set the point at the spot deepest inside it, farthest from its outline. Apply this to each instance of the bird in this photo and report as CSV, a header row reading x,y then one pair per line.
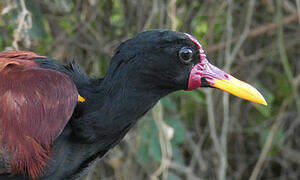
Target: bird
x,y
55,120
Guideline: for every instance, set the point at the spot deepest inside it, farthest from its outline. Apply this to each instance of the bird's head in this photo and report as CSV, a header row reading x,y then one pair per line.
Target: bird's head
x,y
170,60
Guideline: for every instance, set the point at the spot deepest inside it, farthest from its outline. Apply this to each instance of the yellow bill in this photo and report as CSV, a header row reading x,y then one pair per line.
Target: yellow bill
x,y
239,89
205,74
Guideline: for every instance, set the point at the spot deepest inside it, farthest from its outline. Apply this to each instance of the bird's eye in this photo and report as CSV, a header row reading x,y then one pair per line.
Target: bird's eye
x,y
186,54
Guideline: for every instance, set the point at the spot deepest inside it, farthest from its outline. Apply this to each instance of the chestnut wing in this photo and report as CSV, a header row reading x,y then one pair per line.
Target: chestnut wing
x,y
35,106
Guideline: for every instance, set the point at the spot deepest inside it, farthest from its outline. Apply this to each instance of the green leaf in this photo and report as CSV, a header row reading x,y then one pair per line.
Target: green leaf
x,y
179,131
38,26
154,148
167,102
284,88
65,24
149,147
142,153
201,28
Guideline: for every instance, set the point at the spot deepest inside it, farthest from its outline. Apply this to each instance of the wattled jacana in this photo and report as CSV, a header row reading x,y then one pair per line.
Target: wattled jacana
x,y
49,131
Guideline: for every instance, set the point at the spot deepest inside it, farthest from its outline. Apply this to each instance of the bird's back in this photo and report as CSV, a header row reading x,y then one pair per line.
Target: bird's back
x,y
35,105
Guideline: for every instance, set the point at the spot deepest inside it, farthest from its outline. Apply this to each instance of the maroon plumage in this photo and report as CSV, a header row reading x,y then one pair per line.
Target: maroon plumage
x,y
35,105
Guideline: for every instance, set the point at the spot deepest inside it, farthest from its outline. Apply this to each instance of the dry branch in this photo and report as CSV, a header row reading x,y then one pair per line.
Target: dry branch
x,y
165,135
255,32
268,143
24,22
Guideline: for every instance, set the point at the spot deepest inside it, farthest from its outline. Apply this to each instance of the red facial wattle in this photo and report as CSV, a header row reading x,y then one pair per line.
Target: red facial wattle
x,y
203,69
219,79
207,71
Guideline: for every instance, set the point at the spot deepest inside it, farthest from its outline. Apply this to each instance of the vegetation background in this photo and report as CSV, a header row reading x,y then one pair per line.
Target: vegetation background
x,y
204,134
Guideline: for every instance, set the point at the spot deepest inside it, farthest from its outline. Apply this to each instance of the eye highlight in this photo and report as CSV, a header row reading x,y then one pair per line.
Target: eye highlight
x,y
185,54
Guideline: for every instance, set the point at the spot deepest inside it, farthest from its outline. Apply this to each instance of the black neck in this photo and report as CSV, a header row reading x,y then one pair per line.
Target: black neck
x,y
113,106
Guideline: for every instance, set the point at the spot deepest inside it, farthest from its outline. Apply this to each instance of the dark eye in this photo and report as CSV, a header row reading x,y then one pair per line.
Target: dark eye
x,y
186,54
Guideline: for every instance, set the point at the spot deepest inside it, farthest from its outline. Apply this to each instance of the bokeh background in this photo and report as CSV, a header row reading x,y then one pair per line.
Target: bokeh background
x,y
204,134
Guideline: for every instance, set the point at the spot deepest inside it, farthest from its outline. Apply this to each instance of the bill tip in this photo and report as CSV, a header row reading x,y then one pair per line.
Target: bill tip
x,y
264,102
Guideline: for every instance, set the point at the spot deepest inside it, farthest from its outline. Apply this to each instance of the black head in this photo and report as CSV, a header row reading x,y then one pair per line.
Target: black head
x,y
158,58
169,61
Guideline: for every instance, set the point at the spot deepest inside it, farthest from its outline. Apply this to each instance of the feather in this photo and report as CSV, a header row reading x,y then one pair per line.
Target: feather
x,y
35,106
